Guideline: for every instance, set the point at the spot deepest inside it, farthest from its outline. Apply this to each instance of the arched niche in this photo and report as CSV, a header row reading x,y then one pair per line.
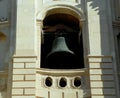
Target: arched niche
x,y
60,8
68,18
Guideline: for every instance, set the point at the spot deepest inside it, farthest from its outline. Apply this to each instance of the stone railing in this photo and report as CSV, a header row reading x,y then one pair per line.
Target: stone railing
x,y
3,80
72,83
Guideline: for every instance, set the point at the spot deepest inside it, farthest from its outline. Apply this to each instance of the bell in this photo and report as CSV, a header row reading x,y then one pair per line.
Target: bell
x,y
60,57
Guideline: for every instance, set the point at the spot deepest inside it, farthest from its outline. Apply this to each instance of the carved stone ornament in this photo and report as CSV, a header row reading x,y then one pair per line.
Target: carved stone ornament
x,y
3,84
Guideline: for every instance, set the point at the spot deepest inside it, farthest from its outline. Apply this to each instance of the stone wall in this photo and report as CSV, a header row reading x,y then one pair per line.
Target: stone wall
x,y
23,82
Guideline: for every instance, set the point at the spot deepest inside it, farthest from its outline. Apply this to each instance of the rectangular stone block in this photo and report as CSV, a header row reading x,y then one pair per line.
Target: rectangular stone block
x,y
18,77
17,91
101,71
29,91
70,95
102,77
100,84
56,94
103,91
18,65
24,84
30,77
100,59
100,65
30,65
23,71
24,60
42,93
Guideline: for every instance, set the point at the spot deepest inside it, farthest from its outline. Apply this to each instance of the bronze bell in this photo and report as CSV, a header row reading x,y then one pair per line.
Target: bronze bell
x,y
61,57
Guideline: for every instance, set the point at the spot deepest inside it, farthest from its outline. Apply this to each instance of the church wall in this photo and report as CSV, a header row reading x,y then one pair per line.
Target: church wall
x,y
101,63
24,76
24,58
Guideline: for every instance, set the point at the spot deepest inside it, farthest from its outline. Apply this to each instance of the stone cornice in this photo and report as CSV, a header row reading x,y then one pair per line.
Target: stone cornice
x,y
63,72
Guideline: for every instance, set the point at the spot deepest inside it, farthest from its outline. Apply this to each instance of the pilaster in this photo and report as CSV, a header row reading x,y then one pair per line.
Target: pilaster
x,y
25,28
101,77
100,59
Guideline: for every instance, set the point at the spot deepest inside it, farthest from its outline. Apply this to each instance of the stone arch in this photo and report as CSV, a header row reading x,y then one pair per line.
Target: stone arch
x,y
70,10
66,9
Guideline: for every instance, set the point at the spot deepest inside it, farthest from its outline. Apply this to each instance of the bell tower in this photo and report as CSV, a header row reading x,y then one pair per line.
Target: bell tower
x,y
61,72
59,49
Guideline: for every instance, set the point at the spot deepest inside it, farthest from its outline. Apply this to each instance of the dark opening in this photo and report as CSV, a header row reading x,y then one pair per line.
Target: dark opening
x,y
77,82
63,82
48,82
67,26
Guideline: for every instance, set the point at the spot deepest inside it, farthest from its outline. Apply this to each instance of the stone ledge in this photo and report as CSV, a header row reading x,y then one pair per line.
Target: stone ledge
x,y
63,72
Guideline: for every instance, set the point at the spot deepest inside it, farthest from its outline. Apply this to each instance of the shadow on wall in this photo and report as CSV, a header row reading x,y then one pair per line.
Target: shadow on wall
x,y
104,31
100,24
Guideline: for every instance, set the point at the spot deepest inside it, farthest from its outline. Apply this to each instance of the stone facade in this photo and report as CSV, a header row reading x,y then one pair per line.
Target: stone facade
x,y
23,25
